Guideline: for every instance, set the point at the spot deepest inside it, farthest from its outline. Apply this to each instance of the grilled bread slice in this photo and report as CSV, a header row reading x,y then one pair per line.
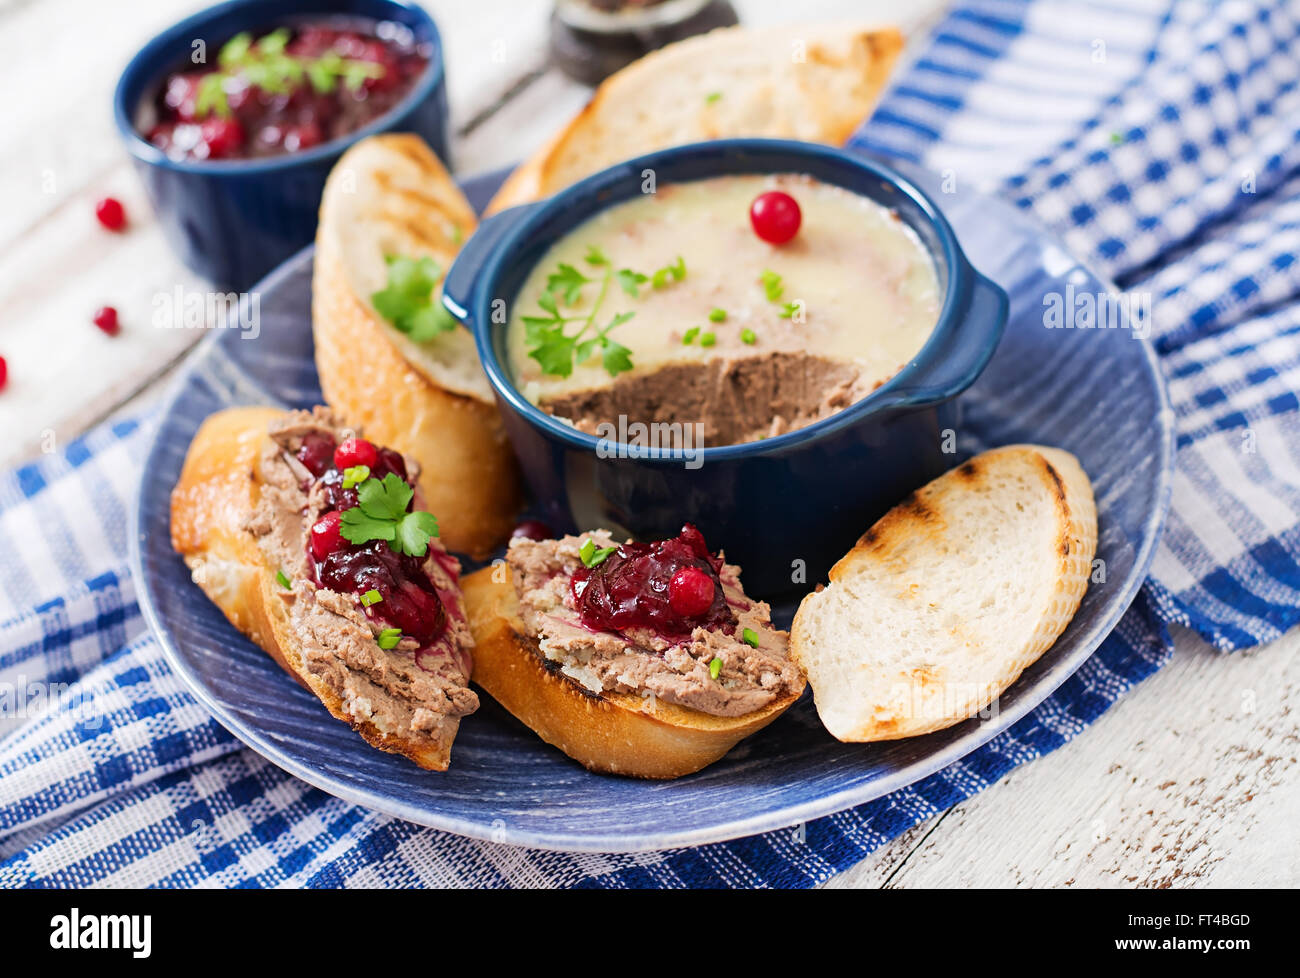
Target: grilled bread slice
x,y
814,83
389,196
950,596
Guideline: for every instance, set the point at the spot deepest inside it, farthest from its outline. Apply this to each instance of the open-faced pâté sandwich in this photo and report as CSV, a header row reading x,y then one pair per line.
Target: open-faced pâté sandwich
x,y
315,544
390,359
640,659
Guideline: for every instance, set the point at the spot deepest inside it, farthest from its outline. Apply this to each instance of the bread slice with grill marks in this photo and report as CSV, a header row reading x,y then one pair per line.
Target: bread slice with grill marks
x,y
943,603
811,82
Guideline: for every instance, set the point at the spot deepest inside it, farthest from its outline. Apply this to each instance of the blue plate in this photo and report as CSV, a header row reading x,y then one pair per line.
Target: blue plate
x,y
1095,392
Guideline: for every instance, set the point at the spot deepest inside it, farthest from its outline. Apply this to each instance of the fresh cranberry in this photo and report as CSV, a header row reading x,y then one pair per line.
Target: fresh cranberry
x,y
110,213
532,530
355,451
327,536
181,95
303,136
333,494
389,461
316,453
4,373
632,588
690,592
408,599
106,319
223,137
775,216
311,41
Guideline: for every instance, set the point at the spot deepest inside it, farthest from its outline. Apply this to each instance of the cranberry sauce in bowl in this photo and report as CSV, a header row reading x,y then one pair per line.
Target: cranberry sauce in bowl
x,y
388,576
670,587
283,90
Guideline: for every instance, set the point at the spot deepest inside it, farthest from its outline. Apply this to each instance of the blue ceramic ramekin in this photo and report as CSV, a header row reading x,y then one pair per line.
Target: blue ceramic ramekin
x,y
232,221
784,508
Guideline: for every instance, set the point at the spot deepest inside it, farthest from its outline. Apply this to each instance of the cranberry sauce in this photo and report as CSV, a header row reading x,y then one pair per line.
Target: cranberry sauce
x,y
670,587
283,91
408,598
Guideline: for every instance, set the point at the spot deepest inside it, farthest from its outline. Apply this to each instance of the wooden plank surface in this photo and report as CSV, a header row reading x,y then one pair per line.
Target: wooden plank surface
x,y
1190,780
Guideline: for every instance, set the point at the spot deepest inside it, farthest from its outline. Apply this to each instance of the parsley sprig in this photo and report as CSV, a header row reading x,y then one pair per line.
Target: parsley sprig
x,y
266,64
380,514
556,347
408,301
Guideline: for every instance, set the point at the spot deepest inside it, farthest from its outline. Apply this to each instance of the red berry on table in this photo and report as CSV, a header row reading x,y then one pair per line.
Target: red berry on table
x,y
690,592
4,373
355,451
222,137
110,213
106,319
327,535
775,216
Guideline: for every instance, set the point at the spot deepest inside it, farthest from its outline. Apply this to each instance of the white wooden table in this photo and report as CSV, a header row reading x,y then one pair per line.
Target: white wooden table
x,y
1190,780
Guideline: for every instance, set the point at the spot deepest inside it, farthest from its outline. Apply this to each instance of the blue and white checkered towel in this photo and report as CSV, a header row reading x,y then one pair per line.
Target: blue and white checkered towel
x,y
1161,142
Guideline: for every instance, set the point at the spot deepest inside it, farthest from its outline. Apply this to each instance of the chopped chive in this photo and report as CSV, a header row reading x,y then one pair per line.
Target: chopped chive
x,y
789,309
712,97
772,285
708,339
749,637
371,597
660,278
389,638
592,555
689,336
678,269
283,580
715,667
717,315
747,336
354,475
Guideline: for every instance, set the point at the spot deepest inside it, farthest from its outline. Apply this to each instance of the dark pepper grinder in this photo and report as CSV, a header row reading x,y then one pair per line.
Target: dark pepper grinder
x,y
592,39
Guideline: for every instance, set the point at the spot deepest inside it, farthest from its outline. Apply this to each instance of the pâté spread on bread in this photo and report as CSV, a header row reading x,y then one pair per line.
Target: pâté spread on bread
x,y
751,304
370,597
666,618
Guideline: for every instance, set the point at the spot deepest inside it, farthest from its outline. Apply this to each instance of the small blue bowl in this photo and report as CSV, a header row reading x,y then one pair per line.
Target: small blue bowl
x,y
784,508
232,221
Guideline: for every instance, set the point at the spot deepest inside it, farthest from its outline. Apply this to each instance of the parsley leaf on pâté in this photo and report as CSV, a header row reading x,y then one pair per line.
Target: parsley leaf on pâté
x,y
555,349
380,514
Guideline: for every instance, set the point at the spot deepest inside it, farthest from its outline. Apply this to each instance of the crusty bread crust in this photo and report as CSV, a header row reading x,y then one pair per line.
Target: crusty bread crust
x,y
211,504
892,549
815,83
389,194
615,733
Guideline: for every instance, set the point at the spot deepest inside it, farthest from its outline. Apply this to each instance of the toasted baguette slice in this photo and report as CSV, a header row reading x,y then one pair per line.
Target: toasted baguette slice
x,y
388,195
613,733
815,83
950,596
212,504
